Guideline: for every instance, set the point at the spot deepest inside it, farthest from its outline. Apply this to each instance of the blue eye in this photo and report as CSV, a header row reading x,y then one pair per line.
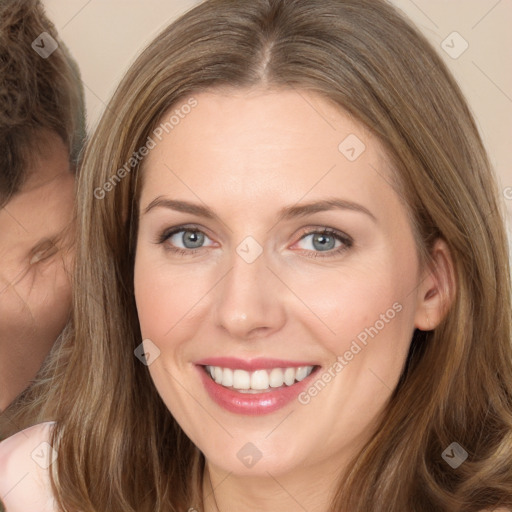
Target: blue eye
x,y
321,241
188,239
184,239
325,241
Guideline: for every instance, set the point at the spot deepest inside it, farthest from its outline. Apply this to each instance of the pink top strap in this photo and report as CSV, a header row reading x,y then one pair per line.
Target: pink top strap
x,y
25,459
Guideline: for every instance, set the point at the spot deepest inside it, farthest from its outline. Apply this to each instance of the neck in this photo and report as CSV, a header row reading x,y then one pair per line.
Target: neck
x,y
309,488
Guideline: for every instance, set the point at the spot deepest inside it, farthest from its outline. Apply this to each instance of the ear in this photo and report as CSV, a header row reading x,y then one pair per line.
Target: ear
x,y
436,290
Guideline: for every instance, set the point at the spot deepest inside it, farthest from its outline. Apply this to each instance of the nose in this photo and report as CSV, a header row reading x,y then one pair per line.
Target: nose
x,y
250,300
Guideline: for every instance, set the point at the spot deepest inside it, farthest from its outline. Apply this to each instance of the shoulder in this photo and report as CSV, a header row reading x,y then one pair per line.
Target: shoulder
x,y
24,461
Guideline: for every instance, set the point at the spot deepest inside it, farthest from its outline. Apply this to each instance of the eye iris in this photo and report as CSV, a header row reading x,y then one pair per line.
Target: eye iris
x,y
322,242
192,239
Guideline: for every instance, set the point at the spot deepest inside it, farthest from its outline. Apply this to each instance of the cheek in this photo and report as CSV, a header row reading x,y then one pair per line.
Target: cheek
x,y
361,303
167,297
49,295
34,312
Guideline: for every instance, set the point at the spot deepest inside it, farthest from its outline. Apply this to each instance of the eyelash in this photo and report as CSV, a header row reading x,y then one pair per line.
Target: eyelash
x,y
346,241
43,251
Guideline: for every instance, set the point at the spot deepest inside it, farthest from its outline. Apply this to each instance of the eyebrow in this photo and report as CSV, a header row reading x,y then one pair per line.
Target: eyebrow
x,y
287,213
180,206
302,210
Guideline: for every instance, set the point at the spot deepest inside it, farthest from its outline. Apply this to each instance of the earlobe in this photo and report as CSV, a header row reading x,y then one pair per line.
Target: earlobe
x,y
436,290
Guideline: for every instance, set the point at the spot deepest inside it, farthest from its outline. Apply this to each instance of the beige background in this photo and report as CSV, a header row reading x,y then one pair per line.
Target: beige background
x,y
105,35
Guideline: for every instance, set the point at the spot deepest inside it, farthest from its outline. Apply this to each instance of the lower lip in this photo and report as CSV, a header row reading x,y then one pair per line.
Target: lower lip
x,y
252,404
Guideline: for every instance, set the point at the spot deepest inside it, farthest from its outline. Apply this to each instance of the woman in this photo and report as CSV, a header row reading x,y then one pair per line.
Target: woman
x,y
292,289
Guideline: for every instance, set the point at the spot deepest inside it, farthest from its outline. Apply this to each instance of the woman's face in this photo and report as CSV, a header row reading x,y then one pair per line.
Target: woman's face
x,y
271,239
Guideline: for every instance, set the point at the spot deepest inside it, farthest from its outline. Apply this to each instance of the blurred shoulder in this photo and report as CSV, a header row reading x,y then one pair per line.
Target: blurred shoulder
x,y
25,459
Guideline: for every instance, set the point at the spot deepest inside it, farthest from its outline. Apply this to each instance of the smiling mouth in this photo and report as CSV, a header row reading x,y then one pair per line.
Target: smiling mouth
x,y
259,381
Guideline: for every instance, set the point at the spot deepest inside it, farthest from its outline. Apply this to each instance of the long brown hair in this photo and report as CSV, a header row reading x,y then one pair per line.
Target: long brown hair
x,y
119,447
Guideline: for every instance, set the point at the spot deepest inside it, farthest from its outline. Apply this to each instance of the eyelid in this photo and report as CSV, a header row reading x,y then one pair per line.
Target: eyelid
x,y
43,250
326,231
165,234
346,240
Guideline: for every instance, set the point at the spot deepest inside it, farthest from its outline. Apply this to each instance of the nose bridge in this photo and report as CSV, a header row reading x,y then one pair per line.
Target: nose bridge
x,y
249,298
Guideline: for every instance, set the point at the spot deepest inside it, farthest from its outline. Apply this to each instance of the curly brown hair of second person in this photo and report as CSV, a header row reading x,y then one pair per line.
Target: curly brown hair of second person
x,y
42,130
36,94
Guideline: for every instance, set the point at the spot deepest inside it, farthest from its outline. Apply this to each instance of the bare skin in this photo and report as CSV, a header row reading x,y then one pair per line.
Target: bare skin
x,y
35,290
247,155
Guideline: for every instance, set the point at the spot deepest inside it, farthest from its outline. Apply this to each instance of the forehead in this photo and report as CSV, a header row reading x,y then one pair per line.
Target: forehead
x,y
253,118
252,142
41,208
50,160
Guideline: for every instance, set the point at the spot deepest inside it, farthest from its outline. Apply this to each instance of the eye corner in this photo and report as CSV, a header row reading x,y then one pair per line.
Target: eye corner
x,y
43,250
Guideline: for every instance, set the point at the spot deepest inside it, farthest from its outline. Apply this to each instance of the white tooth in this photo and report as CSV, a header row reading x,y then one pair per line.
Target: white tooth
x,y
302,373
241,379
259,379
218,374
276,378
289,376
310,369
227,377
211,371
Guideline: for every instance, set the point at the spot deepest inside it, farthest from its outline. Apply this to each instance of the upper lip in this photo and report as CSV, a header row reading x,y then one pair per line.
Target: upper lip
x,y
250,365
